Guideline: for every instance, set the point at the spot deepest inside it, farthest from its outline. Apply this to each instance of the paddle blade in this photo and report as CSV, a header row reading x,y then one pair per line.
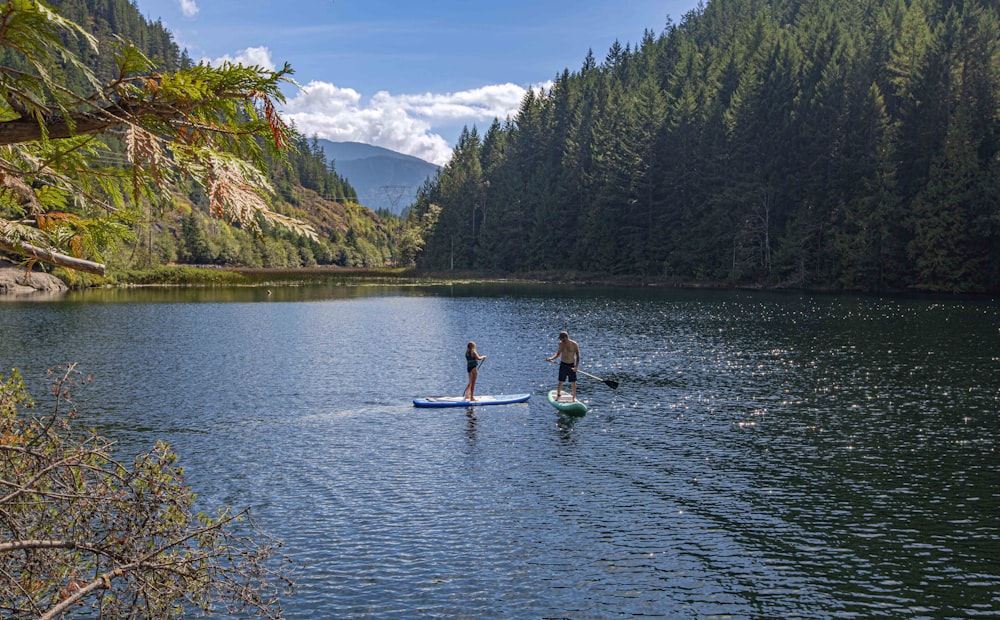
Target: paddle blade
x,y
611,384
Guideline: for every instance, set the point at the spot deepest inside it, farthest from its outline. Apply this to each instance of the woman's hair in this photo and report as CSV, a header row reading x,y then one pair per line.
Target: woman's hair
x,y
471,345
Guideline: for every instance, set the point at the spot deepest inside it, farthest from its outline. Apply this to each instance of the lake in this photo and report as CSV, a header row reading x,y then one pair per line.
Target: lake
x,y
766,454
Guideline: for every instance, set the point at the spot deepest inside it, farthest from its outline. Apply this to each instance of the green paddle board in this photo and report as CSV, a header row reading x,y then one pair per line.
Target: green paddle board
x,y
566,404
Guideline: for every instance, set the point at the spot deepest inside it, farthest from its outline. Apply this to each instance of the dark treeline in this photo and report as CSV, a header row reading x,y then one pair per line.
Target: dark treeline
x,y
811,143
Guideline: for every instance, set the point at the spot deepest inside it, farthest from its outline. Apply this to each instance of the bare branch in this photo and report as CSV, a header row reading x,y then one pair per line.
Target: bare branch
x,y
102,582
21,545
58,126
54,258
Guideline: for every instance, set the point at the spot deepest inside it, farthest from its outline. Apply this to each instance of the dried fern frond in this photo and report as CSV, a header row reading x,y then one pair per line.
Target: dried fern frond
x,y
297,226
145,151
237,191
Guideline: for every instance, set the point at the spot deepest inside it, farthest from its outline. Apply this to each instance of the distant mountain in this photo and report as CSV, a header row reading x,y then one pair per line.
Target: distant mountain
x,y
384,179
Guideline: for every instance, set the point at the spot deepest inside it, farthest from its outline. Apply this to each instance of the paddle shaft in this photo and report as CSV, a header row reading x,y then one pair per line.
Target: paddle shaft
x,y
611,384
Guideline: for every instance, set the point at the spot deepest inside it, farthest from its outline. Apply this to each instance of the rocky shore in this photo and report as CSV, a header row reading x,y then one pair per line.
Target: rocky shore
x,y
14,281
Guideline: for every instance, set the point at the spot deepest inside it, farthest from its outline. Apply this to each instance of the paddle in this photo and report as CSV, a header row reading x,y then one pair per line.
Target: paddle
x,y
608,382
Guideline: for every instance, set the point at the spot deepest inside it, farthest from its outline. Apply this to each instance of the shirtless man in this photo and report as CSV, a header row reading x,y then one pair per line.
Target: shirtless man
x,y
569,360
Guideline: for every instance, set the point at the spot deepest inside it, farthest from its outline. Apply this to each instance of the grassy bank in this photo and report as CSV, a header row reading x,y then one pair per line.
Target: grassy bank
x,y
186,275
178,275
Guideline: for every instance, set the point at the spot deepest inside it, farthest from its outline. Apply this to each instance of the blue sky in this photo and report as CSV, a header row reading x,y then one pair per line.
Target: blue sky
x,y
408,75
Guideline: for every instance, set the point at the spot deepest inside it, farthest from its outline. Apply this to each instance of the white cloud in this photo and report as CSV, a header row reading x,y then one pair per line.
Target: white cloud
x,y
405,123
482,104
251,57
189,8
408,123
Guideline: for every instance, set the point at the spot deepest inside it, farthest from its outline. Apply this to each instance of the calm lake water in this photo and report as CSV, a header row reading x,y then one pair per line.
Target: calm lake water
x,y
767,455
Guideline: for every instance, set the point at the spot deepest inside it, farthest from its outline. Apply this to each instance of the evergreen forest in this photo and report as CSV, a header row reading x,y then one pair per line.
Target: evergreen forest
x,y
778,143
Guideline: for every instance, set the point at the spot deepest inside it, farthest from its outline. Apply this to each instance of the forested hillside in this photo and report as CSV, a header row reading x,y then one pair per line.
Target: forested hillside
x,y
808,143
179,228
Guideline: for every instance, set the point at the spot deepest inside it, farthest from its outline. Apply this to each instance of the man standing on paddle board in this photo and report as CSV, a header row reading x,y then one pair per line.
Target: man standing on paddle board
x,y
569,360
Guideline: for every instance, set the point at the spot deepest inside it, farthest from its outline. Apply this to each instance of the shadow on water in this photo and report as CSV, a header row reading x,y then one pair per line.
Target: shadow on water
x,y
566,423
470,427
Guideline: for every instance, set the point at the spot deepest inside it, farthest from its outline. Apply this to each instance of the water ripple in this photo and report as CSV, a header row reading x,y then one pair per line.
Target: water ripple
x,y
765,456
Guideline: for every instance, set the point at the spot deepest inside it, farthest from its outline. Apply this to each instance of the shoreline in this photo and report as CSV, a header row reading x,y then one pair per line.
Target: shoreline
x,y
195,276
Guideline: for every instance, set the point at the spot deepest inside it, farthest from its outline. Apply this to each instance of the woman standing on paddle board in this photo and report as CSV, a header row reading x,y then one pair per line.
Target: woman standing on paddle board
x,y
569,359
472,359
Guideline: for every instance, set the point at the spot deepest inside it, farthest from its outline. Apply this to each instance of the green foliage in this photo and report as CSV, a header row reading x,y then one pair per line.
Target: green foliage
x,y
104,149
145,196
194,242
178,275
758,142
